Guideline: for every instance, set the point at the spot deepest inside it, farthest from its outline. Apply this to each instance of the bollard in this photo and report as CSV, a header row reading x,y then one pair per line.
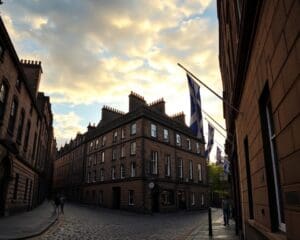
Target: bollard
x,y
209,222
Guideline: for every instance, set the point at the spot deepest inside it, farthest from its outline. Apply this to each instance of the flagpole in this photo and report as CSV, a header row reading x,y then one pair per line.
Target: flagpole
x,y
214,120
225,101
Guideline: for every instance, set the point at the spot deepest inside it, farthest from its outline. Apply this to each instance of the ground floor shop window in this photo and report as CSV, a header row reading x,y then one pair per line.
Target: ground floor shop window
x,y
167,197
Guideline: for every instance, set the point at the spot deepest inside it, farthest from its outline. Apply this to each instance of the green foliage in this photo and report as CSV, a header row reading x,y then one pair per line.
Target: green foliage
x,y
218,186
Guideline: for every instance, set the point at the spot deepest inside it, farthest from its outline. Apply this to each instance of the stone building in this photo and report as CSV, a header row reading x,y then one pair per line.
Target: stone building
x,y
259,61
26,134
143,160
69,169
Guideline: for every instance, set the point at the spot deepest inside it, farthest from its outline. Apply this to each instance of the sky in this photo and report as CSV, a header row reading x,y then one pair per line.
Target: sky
x,y
95,52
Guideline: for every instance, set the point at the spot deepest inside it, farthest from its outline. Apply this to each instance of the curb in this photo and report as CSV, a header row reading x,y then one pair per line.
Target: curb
x,y
36,234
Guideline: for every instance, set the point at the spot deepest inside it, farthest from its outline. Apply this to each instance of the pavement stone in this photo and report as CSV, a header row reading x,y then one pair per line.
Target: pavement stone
x,y
85,222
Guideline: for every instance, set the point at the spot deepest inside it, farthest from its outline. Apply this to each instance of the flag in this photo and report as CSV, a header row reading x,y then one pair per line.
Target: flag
x,y
218,155
210,141
226,166
196,122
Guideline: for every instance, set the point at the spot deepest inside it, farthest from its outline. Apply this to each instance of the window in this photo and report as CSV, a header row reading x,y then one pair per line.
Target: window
x,y
271,162
103,140
27,135
95,175
100,200
191,170
15,194
94,159
202,199
178,139
153,130
115,136
180,168
130,197
13,115
113,173
133,129
102,157
122,151
193,199
3,98
91,145
89,177
132,169
122,133
168,166
249,181
166,135
114,154
101,174
133,148
122,171
20,127
97,143
167,197
188,143
197,147
153,163
199,172
89,161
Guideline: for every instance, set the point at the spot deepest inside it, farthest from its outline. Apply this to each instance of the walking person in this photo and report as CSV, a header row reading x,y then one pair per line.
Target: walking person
x,y
226,208
62,203
57,203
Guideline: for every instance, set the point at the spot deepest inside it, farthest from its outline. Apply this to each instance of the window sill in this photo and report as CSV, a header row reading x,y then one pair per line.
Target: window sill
x,y
266,232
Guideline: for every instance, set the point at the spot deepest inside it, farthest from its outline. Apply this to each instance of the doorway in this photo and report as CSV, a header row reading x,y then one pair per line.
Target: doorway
x,y
116,192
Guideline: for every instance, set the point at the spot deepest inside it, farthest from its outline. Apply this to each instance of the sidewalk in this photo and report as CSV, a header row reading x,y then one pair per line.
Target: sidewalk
x,y
28,224
219,230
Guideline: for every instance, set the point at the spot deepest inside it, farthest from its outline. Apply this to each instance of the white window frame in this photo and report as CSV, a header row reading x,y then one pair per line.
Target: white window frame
x,y
198,148
168,165
166,135
180,167
113,173
103,141
132,148
189,145
122,171
154,162
132,169
114,154
122,151
193,202
122,133
178,139
191,169
271,137
101,174
133,129
199,172
153,130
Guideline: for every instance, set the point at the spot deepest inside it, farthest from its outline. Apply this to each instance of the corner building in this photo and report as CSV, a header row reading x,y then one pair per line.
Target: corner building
x,y
144,160
26,133
259,62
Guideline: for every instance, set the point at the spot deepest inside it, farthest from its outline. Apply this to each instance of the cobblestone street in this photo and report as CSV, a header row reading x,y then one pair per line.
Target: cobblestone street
x,y
82,222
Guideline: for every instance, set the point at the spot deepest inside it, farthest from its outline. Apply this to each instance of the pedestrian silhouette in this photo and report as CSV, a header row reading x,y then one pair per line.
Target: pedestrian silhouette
x,y
57,203
225,207
62,203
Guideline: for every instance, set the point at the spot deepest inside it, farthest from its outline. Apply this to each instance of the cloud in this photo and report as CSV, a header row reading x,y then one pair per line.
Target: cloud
x,y
66,127
98,51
